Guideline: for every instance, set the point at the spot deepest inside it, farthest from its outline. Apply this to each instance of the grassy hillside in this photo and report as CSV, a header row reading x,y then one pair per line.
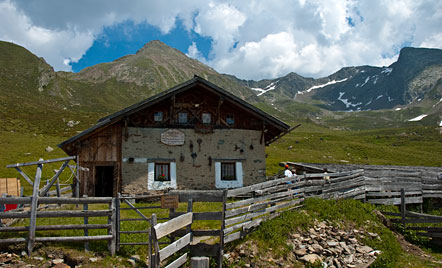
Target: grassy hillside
x,y
413,146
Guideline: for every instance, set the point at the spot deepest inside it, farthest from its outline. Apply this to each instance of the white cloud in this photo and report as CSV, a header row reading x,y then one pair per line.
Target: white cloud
x,y
54,45
250,39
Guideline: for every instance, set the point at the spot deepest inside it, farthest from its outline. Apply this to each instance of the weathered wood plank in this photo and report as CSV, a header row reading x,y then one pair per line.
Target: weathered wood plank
x,y
136,210
24,175
73,238
258,186
282,187
165,228
396,201
56,227
432,235
201,216
175,247
260,199
45,189
203,249
232,237
381,194
41,162
56,214
198,195
178,262
33,212
13,240
265,211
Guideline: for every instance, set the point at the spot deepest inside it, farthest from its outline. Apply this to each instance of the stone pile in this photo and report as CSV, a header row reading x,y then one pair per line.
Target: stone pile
x,y
333,247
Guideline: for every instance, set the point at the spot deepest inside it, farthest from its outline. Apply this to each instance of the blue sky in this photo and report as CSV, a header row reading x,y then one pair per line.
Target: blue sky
x,y
127,38
249,39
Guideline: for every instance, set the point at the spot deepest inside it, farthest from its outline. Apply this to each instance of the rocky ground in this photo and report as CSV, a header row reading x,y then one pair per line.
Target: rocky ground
x,y
65,258
323,244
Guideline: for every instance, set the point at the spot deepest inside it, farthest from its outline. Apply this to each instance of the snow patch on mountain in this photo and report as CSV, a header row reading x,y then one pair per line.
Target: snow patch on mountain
x,y
419,118
346,102
437,102
266,89
380,96
366,80
323,85
386,70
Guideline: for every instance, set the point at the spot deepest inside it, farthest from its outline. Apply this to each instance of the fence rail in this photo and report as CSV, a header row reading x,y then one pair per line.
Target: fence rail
x,y
418,222
85,213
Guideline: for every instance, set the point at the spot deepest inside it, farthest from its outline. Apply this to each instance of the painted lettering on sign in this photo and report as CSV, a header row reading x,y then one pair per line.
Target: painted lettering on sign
x,y
172,137
169,201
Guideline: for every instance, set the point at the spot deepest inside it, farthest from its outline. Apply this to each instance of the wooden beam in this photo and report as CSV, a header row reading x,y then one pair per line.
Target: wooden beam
x,y
45,189
282,134
24,176
41,162
165,228
34,204
218,111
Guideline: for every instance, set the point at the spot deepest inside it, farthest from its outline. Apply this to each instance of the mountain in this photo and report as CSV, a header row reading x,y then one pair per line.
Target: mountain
x,y
415,76
31,91
36,99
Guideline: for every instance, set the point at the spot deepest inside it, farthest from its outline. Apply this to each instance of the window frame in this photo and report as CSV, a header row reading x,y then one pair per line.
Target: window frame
x,y
232,116
168,178
208,115
179,117
223,170
156,115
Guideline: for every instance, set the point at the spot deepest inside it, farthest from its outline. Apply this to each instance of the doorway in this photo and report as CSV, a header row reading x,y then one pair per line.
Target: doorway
x,y
104,181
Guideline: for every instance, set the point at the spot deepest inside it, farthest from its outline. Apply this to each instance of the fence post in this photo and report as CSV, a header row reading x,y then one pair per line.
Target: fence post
x,y
189,209
199,262
154,258
34,204
112,221
221,238
118,222
403,207
85,222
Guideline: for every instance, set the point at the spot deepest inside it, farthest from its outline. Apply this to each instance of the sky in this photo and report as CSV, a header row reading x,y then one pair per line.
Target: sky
x,y
249,39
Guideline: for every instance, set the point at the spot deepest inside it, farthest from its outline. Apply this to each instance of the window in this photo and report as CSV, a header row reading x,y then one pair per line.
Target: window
x,y
158,117
182,118
230,119
228,172
162,172
161,175
206,118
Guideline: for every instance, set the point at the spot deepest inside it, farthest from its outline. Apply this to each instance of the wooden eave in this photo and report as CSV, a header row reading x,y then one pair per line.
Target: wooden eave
x,y
118,116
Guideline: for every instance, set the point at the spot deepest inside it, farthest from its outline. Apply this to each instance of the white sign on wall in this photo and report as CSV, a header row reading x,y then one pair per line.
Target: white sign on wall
x,y
172,137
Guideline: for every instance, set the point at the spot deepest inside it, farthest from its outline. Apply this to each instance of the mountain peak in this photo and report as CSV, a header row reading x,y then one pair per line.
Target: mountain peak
x,y
154,45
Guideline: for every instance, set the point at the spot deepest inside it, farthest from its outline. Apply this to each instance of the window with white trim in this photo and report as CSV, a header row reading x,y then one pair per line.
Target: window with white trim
x,y
228,174
228,171
161,175
162,172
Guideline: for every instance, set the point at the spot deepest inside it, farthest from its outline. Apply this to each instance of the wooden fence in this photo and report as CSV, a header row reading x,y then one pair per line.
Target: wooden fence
x,y
236,211
267,200
160,230
424,224
85,213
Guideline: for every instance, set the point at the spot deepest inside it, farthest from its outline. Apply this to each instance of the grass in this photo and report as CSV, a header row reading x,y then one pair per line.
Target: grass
x,y
414,146
347,214
101,246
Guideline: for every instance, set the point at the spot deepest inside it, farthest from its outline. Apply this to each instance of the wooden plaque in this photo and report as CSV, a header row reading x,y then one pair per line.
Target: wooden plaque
x,y
172,137
169,201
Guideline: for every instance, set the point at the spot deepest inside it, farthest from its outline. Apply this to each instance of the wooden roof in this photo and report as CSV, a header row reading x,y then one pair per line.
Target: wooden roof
x,y
196,80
